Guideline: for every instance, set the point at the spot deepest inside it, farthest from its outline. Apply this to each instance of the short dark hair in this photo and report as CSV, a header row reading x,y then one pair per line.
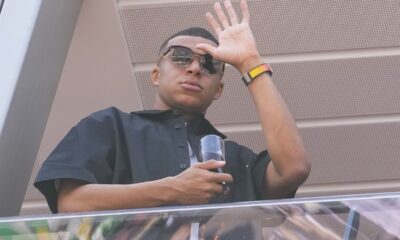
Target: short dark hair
x,y
193,31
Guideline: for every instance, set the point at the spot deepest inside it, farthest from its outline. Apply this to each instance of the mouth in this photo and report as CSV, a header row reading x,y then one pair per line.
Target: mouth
x,y
191,86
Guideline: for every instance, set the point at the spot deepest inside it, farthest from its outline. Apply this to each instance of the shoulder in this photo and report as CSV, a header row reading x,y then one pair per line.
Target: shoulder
x,y
243,152
107,120
107,113
108,116
236,147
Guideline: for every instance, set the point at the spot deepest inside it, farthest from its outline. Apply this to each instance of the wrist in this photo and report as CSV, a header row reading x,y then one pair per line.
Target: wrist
x,y
158,192
169,194
249,64
253,74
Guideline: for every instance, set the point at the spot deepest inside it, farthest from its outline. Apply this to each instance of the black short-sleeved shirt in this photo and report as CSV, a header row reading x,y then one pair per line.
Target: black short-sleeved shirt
x,y
113,147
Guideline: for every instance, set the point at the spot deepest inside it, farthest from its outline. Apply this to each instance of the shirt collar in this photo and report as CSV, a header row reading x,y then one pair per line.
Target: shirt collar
x,y
151,112
200,125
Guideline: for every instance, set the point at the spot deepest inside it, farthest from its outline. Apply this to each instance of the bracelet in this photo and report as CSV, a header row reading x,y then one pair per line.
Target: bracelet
x,y
255,72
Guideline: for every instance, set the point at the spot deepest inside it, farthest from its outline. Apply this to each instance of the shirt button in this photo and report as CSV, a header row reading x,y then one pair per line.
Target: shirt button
x,y
183,166
178,125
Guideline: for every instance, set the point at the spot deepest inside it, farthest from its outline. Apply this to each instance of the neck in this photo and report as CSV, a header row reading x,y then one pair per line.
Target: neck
x,y
188,113
190,116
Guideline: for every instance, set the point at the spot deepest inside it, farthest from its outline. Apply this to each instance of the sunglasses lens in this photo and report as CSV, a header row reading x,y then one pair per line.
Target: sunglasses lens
x,y
208,63
184,56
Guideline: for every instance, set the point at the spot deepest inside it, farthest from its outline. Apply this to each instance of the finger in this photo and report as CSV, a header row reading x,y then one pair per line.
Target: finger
x,y
212,189
214,23
231,12
245,11
217,188
221,15
224,177
221,177
207,48
210,165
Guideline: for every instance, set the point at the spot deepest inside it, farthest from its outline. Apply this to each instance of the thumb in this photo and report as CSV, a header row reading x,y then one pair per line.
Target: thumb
x,y
206,48
210,164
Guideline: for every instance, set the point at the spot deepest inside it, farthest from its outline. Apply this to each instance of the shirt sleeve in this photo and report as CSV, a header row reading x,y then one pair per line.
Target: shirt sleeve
x,y
86,153
256,164
259,170
251,177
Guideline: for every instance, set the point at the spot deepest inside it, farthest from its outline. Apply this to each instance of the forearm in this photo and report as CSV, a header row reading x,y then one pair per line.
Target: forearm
x,y
195,185
76,197
289,166
279,129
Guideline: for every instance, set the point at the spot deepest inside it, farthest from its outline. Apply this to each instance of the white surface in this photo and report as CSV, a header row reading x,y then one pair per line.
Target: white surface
x,y
16,26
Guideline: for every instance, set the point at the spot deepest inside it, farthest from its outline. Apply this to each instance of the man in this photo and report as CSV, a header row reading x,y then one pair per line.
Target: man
x,y
114,160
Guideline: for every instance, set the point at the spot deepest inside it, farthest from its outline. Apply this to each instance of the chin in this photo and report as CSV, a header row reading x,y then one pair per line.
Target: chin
x,y
192,105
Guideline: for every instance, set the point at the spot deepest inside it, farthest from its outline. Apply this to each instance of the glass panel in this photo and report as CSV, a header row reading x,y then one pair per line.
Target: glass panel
x,y
351,217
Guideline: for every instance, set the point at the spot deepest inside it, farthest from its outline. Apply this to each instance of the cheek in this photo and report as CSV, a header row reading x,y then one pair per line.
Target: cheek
x,y
169,73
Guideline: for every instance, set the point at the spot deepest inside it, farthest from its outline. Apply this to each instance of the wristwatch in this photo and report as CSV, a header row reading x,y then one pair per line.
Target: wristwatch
x,y
255,72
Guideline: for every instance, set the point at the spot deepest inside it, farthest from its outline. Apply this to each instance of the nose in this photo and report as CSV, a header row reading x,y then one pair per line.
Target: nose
x,y
194,67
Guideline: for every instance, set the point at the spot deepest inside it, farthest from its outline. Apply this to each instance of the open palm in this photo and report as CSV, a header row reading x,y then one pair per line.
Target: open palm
x,y
236,41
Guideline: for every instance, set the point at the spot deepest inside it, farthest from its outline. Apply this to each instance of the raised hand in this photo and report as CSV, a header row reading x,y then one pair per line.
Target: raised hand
x,y
197,185
236,42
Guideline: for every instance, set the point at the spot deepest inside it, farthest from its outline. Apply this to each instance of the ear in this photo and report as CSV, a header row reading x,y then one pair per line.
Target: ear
x,y
218,93
155,76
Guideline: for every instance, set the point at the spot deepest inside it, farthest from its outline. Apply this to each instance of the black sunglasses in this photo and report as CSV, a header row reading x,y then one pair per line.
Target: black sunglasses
x,y
183,56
